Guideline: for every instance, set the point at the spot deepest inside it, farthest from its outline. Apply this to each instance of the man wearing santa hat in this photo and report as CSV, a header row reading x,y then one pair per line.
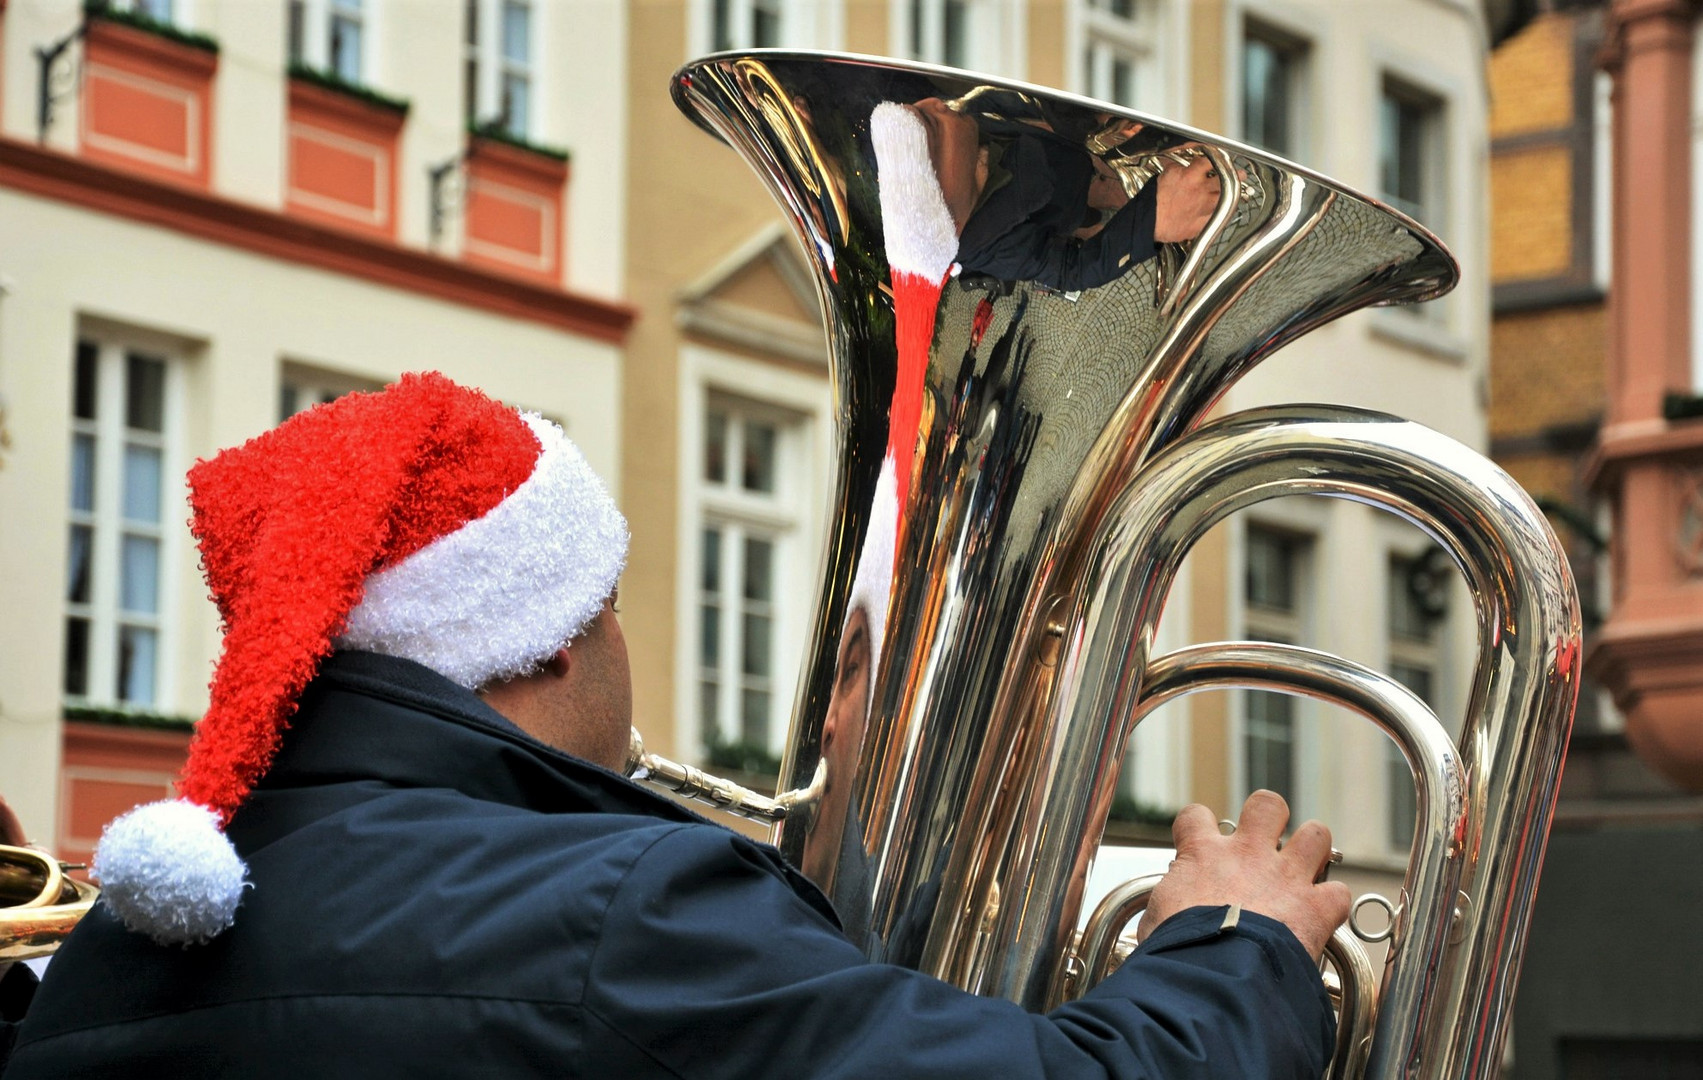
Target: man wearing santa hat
x,y
402,848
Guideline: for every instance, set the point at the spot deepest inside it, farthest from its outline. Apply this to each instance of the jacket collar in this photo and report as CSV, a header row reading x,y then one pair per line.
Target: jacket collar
x,y
383,718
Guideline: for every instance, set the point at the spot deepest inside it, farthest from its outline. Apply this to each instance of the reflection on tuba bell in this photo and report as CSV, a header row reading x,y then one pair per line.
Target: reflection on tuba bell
x,y
1023,369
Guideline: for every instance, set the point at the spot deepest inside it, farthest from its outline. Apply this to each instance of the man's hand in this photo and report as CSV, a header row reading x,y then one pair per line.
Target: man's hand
x,y
1247,868
1187,197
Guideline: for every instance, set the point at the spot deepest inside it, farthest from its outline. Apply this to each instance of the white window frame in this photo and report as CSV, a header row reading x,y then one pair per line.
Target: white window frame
x,y
1432,208
1430,655
1108,38
1294,43
805,24
989,29
317,17
491,64
1427,327
1155,36
1296,629
312,386
111,435
175,10
803,462
1157,766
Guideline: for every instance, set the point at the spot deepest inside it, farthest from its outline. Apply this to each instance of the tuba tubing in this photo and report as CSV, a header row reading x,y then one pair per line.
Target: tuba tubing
x,y
1440,1012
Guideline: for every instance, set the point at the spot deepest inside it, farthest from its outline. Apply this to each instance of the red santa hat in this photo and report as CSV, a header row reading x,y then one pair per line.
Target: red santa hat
x,y
921,242
425,521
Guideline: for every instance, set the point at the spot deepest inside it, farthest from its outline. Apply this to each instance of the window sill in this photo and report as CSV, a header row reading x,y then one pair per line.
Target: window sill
x,y
484,139
99,13
114,716
1418,333
324,80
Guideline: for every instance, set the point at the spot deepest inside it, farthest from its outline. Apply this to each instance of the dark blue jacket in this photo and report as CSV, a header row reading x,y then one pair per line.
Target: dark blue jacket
x,y
436,894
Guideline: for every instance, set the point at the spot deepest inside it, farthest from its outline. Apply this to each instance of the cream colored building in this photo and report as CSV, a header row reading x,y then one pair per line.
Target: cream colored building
x,y
255,251
1385,95
222,224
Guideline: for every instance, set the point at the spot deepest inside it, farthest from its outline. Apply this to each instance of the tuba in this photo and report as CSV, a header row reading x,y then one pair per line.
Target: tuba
x,y
1023,371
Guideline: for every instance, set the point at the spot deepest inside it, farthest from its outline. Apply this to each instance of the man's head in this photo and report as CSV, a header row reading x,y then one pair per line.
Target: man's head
x,y
425,521
955,152
579,699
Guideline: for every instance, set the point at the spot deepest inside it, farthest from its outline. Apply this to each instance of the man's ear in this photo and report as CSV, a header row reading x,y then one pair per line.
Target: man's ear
x,y
559,663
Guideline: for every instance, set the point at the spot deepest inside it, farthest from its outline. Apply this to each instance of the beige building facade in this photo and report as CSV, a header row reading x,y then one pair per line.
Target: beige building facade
x,y
340,192
230,217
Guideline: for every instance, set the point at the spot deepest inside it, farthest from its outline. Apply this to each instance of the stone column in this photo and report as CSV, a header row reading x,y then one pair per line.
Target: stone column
x,y
1650,652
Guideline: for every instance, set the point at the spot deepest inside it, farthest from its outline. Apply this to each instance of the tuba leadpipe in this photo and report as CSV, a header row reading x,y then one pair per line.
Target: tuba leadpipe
x,y
1022,467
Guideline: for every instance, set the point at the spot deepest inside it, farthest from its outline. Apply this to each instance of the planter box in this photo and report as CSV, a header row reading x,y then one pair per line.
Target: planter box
x,y
513,216
147,103
342,154
107,770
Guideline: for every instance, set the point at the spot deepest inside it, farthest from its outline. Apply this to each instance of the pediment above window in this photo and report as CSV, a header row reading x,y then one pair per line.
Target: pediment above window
x,y
759,298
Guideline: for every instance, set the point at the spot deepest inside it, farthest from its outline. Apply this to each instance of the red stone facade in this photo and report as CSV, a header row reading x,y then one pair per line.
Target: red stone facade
x,y
342,160
514,211
147,103
106,770
1650,466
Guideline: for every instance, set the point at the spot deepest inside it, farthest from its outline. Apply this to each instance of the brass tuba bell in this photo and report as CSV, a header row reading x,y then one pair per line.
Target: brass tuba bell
x,y
1023,376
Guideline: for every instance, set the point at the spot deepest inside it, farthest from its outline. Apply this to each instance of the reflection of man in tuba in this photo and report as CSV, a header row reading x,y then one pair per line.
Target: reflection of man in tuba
x,y
1028,203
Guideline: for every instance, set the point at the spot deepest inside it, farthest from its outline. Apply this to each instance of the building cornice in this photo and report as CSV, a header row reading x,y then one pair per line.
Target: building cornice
x,y
28,168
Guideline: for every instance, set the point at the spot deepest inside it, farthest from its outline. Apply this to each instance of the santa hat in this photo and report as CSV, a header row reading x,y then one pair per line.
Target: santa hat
x,y
921,242
425,521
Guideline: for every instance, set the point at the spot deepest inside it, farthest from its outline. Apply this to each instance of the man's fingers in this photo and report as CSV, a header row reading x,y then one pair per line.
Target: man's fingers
x,y
1264,816
1194,823
1337,900
1309,849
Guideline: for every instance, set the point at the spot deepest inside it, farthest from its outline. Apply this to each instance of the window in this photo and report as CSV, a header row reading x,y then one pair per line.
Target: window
x,y
1410,151
329,35
158,10
748,537
1412,619
1119,59
301,388
1273,594
122,416
957,33
1273,88
745,24
498,71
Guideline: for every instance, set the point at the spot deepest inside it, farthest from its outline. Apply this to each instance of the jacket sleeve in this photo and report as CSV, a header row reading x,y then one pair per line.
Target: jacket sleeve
x,y
710,965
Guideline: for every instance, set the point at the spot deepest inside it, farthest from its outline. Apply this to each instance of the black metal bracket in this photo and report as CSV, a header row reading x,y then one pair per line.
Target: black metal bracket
x,y
439,176
442,192
47,59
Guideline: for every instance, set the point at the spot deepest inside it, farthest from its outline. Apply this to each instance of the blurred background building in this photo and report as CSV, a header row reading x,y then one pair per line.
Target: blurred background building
x,y
213,215
216,212
1595,128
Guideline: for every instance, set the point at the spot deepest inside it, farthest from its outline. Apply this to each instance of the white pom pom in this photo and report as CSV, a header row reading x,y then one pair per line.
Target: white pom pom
x,y
167,871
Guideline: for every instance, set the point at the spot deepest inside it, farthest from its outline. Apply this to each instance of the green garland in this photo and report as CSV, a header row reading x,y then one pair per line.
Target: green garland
x,y
1126,808
97,9
136,718
495,133
329,81
744,757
